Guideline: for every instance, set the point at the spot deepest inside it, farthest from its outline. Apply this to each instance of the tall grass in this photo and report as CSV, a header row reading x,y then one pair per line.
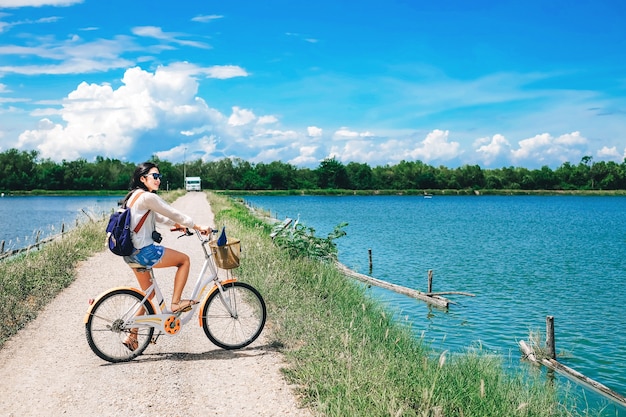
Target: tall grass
x,y
30,280
349,357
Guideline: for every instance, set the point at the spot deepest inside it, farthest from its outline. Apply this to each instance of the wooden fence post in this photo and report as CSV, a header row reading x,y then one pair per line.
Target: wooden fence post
x,y
550,345
369,252
430,281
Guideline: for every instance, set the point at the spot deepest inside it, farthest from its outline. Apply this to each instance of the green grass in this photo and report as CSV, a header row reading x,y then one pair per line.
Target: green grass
x,y
30,280
347,355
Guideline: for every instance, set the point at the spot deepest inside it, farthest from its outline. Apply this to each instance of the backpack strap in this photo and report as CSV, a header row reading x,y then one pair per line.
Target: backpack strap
x,y
145,216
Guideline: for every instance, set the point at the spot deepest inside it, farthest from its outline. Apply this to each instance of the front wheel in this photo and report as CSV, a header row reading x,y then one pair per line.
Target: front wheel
x,y
244,325
105,328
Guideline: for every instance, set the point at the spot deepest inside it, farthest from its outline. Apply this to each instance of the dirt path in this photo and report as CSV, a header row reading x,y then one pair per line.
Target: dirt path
x,y
49,370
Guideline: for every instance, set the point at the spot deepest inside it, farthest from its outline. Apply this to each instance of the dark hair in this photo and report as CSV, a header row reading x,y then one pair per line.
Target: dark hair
x,y
135,181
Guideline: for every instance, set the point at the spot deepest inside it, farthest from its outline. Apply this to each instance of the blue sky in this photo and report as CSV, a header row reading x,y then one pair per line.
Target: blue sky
x,y
453,82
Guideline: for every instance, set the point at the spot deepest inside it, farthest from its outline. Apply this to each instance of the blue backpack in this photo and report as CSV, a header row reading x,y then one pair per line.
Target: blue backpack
x,y
119,232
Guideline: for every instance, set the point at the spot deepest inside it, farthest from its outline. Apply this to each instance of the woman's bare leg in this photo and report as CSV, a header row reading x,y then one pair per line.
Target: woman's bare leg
x,y
181,261
144,280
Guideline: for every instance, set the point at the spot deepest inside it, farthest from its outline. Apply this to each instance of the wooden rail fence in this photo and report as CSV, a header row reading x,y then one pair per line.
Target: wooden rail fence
x,y
546,356
430,297
433,298
38,241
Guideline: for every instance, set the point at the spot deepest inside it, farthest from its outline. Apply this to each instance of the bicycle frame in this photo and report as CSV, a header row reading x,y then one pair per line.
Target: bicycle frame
x,y
165,320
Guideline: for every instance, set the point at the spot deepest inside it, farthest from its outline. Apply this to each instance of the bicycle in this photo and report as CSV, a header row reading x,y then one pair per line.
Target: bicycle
x,y
232,313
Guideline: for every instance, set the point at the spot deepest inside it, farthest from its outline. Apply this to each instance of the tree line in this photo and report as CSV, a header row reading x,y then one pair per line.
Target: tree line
x,y
25,171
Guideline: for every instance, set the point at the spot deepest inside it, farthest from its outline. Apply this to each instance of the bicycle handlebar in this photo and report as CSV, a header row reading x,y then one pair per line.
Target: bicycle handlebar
x,y
190,232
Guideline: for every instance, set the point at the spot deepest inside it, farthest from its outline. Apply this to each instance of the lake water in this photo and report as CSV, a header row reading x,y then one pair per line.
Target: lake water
x,y
524,257
22,217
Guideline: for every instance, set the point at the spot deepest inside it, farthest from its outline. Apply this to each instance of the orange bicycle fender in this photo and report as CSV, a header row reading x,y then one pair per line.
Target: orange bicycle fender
x,y
200,319
92,302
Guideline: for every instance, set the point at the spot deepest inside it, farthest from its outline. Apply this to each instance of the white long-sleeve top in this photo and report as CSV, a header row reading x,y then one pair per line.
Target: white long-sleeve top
x,y
160,212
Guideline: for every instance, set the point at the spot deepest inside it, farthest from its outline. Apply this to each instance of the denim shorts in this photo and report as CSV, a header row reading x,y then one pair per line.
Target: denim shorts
x,y
147,256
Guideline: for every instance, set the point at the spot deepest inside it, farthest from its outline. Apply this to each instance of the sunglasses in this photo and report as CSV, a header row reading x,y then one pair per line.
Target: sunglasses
x,y
155,176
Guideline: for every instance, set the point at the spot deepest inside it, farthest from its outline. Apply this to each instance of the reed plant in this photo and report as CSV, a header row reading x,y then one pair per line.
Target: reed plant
x,y
348,356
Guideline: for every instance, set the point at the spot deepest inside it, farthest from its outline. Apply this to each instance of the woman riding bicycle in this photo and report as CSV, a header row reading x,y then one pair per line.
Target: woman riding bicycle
x,y
142,199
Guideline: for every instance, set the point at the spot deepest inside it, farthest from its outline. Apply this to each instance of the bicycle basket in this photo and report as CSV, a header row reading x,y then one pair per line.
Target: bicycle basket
x,y
227,256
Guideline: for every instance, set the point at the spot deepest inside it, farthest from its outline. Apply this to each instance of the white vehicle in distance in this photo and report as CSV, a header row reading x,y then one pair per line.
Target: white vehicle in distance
x,y
193,184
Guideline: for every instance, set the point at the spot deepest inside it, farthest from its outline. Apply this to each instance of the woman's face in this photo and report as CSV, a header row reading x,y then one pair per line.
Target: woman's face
x,y
152,179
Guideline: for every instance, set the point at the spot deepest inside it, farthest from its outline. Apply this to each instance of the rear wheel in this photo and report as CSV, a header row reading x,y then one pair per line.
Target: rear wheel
x,y
244,325
105,328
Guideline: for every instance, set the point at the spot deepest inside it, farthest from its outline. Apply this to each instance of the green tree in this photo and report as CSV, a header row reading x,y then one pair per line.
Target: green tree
x,y
332,174
18,170
277,175
360,176
470,176
50,175
383,177
545,178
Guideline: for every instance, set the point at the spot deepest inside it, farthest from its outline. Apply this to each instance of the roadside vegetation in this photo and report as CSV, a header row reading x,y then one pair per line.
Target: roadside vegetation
x,y
350,357
345,353
31,280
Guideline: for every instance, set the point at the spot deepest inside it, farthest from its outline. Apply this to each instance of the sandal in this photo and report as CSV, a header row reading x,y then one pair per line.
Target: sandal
x,y
131,341
183,306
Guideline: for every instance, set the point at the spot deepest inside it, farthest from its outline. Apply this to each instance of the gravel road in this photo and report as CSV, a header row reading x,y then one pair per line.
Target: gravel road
x,y
49,370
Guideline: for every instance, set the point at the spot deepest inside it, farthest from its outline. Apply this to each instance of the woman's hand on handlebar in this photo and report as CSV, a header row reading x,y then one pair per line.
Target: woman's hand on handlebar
x,y
204,230
178,228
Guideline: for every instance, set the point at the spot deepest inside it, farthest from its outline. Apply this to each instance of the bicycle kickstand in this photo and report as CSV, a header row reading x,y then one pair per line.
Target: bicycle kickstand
x,y
155,338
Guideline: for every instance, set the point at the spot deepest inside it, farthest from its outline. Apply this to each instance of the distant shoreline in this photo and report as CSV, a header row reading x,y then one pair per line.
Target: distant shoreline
x,y
429,192
63,193
341,192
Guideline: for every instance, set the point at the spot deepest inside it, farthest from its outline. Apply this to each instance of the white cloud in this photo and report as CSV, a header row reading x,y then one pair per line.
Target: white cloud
x,y
69,56
491,150
345,133
355,151
241,117
435,147
99,120
151,113
37,3
223,72
546,149
267,120
305,157
611,154
74,55
314,131
206,18
205,145
156,32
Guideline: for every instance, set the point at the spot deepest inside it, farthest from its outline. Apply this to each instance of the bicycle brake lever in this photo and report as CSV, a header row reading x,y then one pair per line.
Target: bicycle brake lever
x,y
186,232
